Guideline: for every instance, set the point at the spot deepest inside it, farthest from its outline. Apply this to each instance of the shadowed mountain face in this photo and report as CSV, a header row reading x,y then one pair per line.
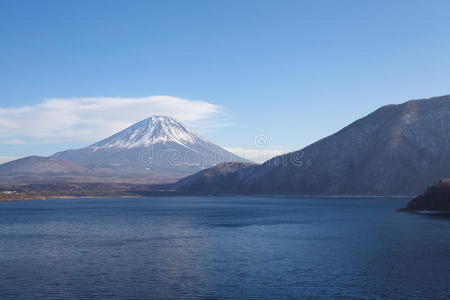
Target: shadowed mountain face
x,y
396,150
157,149
218,179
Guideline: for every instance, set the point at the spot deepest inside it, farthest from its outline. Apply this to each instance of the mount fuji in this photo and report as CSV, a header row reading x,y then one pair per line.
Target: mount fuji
x,y
155,150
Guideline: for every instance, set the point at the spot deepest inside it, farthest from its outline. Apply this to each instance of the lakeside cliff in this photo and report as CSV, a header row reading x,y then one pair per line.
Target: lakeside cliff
x,y
436,198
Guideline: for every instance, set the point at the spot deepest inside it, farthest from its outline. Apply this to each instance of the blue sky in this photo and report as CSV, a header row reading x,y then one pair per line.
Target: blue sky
x,y
293,71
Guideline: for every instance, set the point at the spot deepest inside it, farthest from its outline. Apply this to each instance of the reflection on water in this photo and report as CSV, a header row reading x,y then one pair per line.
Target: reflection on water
x,y
221,248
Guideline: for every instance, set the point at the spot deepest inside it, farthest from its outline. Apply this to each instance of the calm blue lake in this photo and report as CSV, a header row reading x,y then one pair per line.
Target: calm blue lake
x,y
221,248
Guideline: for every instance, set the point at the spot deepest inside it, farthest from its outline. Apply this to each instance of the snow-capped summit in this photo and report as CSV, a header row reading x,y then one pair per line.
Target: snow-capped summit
x,y
157,149
153,130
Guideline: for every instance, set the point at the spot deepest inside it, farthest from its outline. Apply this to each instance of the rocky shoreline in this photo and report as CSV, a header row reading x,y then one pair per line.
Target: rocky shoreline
x,y
434,201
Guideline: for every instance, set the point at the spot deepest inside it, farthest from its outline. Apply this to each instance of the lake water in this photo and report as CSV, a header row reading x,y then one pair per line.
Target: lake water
x,y
221,248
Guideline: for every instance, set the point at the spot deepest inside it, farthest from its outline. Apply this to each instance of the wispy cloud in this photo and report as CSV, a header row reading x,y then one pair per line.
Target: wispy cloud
x,y
90,119
256,155
13,142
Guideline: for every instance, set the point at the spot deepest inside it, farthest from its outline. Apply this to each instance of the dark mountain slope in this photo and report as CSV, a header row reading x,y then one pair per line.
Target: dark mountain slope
x,y
218,179
396,150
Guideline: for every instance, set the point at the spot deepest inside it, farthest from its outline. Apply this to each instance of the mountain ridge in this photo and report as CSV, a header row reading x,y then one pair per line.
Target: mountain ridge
x,y
158,149
396,150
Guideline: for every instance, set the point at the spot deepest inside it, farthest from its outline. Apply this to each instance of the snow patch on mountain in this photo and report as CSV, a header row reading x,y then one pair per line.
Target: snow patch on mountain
x,y
153,130
157,149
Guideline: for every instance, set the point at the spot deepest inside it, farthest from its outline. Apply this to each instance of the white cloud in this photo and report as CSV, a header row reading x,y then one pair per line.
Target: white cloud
x,y
4,159
256,155
91,119
12,142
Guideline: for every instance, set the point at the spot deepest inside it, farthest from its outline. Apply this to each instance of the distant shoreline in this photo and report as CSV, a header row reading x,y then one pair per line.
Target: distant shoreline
x,y
161,193
41,198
